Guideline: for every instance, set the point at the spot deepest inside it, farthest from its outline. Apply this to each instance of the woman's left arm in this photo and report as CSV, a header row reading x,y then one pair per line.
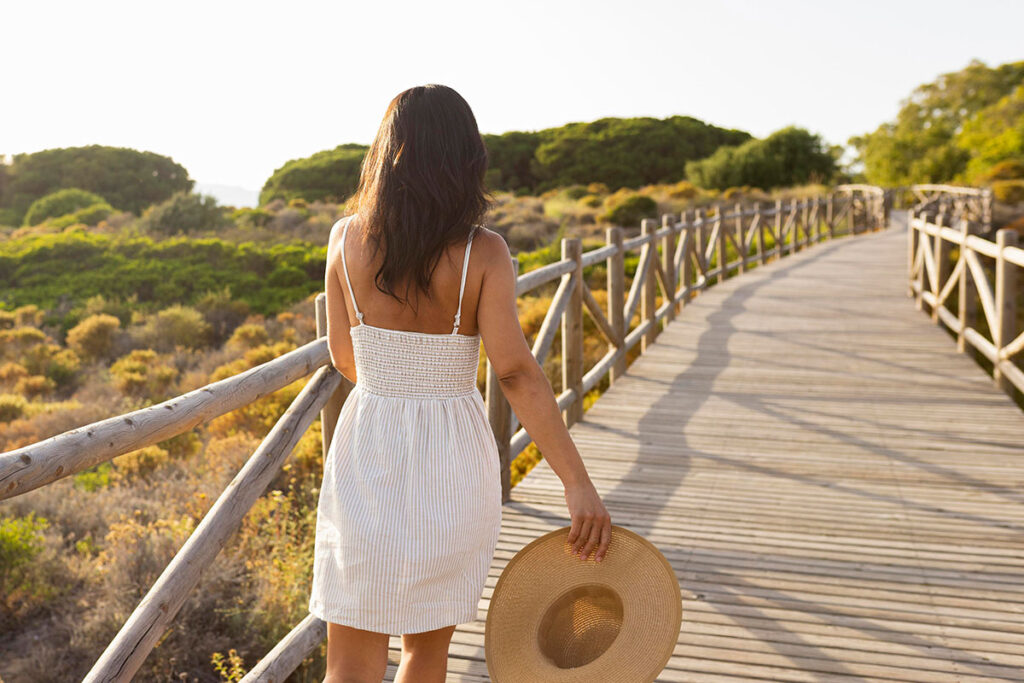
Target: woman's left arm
x,y
339,340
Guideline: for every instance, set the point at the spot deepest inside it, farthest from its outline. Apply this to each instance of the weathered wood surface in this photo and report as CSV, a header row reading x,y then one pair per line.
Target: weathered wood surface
x,y
840,492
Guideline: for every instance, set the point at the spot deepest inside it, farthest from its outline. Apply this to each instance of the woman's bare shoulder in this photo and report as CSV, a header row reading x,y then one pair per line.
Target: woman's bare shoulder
x,y
492,245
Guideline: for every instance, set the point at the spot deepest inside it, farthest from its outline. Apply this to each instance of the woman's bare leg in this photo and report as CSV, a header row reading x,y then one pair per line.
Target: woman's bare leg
x,y
355,655
425,656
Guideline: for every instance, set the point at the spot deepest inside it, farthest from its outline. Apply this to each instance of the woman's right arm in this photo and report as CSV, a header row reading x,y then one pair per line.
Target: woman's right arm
x,y
533,400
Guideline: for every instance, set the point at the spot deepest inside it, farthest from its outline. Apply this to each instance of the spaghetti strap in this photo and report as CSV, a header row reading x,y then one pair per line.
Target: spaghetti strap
x,y
462,285
344,267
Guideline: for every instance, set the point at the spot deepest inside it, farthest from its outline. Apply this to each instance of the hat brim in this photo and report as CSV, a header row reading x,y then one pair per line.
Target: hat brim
x,y
633,588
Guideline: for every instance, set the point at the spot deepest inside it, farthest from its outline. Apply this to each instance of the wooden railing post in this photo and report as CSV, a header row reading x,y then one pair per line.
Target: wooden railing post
x,y
967,310
741,251
986,209
499,414
572,334
940,250
332,409
778,228
830,210
700,219
1006,295
806,220
762,248
794,230
686,267
648,293
668,250
911,252
723,245
617,299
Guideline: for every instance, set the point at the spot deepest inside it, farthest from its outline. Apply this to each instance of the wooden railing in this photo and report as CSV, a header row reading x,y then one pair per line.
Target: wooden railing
x,y
697,249
954,202
934,229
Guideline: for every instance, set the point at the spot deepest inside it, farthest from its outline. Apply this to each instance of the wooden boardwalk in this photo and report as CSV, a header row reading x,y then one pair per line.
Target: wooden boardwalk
x,y
840,492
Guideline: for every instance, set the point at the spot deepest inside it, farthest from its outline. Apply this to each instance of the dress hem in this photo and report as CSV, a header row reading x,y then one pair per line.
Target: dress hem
x,y
462,616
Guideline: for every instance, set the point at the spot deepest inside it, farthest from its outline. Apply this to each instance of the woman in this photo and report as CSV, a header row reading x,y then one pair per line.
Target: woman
x,y
410,506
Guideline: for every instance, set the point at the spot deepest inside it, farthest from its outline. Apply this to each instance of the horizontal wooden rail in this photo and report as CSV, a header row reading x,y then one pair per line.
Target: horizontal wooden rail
x,y
146,625
78,449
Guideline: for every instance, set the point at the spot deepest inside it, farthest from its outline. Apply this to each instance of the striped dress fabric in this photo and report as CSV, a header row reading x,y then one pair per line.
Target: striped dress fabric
x,y
410,505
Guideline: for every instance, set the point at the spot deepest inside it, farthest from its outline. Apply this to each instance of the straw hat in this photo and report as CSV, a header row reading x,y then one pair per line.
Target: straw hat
x,y
557,618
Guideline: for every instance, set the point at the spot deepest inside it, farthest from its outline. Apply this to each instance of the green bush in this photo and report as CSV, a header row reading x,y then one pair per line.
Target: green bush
x,y
248,217
61,203
12,407
630,210
21,542
175,326
184,213
93,338
330,175
791,156
90,215
1010,169
1008,191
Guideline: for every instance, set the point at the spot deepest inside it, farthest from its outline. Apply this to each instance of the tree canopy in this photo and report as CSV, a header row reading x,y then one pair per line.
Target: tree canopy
x,y
942,126
330,175
790,156
128,179
619,152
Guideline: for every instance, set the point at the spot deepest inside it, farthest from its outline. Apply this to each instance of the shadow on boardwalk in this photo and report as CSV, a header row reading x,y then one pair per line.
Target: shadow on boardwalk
x,y
838,490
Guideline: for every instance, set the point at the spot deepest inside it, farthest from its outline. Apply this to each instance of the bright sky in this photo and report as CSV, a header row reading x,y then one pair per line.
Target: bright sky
x,y
232,90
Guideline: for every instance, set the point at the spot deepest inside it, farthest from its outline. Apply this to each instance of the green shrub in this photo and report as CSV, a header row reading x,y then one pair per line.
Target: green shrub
x,y
250,336
630,210
94,337
248,217
184,213
330,175
141,373
1009,169
591,201
12,407
90,215
1008,191
21,542
94,478
791,156
61,203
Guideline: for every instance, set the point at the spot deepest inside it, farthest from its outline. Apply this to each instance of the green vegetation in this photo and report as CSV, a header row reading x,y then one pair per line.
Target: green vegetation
x,y
330,175
62,203
791,156
954,129
617,152
129,180
184,212
50,268
624,152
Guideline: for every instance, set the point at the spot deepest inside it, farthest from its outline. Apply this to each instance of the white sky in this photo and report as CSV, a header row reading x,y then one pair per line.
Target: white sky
x,y
232,90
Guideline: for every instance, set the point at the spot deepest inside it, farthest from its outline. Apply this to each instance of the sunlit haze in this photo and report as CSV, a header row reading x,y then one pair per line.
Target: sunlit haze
x,y
233,90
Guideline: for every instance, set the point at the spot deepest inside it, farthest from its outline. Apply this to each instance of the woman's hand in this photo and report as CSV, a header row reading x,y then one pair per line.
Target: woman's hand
x,y
591,523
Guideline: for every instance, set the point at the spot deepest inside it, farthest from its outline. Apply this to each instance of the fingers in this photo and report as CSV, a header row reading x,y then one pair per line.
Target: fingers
x,y
606,537
585,524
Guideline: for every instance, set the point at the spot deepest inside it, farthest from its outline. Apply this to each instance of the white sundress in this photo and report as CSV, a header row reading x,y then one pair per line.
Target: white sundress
x,y
410,505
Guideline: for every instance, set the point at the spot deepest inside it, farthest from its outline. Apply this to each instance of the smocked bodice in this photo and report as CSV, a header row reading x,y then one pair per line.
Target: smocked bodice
x,y
409,364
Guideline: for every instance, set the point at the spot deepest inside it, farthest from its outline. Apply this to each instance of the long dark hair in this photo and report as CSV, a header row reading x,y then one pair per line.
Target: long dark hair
x,y
421,185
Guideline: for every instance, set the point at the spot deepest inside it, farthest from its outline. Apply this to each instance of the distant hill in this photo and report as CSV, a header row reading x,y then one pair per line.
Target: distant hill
x,y
230,195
